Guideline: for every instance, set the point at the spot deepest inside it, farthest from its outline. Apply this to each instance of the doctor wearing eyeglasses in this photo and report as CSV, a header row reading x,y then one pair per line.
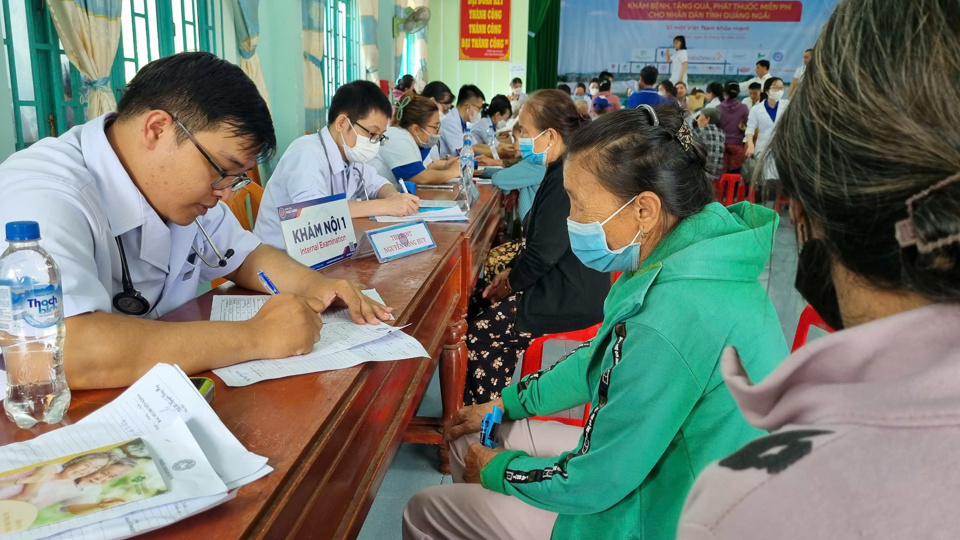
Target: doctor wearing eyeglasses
x,y
337,160
129,206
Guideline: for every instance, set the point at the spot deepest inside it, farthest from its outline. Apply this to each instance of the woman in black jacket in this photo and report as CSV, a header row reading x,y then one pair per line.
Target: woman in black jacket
x,y
546,289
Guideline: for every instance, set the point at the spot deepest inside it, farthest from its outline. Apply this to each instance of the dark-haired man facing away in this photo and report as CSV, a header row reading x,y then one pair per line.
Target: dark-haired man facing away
x,y
147,177
337,160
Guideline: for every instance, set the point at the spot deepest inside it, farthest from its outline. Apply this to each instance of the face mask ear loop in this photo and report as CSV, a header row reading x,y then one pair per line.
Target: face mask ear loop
x,y
618,211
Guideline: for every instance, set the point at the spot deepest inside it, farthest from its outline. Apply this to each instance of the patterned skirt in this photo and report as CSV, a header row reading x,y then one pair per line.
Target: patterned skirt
x,y
493,347
732,158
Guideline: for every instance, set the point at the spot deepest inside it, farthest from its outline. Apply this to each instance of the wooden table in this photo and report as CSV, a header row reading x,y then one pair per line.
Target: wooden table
x,y
331,436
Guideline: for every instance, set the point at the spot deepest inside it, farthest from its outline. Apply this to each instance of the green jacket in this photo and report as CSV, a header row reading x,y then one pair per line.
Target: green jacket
x,y
660,412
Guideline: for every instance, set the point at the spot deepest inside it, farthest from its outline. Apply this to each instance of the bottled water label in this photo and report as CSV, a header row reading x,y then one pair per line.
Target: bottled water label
x,y
6,310
38,307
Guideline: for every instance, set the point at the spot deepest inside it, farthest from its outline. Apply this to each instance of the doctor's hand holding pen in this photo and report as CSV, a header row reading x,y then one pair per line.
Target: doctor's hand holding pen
x,y
287,325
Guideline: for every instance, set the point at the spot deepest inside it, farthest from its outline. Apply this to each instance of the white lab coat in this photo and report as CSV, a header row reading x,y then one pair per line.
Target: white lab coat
x,y
400,154
759,122
76,189
312,168
451,134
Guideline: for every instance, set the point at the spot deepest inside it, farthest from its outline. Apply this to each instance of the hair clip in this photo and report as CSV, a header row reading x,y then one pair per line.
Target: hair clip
x,y
653,113
906,230
401,103
685,136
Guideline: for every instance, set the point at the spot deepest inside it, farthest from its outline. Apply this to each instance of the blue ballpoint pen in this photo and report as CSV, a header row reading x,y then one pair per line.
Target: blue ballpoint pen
x,y
267,283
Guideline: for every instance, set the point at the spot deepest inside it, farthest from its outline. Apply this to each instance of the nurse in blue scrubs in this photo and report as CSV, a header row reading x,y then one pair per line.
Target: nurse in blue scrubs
x,y
414,132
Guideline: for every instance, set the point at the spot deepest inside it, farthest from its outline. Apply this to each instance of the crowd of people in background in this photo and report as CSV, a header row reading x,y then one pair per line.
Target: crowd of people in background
x,y
699,424
742,136
877,235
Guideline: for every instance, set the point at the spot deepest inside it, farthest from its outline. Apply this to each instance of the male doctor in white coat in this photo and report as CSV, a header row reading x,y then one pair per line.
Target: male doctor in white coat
x,y
141,182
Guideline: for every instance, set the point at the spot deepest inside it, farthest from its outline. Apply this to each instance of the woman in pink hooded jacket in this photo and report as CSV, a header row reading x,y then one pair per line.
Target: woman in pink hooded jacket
x,y
865,423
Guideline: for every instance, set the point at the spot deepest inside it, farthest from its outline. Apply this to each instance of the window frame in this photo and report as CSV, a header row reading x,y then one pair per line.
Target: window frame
x,y
342,46
47,57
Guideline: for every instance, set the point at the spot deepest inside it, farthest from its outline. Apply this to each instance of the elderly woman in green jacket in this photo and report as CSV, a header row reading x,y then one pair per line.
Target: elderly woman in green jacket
x,y
641,203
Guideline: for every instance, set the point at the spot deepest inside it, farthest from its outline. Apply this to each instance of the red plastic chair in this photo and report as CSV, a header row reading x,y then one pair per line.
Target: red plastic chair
x,y
533,360
781,201
809,317
731,189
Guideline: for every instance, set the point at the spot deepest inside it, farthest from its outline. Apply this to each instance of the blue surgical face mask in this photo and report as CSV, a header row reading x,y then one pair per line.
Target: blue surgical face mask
x,y
589,244
527,153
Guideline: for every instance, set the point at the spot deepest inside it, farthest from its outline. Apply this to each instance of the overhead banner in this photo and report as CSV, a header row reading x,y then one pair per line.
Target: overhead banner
x,y
725,39
485,29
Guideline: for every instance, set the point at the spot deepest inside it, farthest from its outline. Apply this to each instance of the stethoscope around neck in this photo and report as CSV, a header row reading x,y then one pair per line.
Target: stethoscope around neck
x,y
131,302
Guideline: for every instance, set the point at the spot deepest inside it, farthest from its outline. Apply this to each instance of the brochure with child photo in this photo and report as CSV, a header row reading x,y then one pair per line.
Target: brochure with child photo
x,y
60,489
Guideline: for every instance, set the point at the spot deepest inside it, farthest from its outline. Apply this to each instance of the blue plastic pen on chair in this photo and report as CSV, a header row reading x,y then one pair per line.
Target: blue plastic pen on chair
x,y
267,283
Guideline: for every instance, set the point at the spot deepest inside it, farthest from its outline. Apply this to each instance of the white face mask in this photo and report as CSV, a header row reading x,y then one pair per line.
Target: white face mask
x,y
594,90
362,152
432,140
518,90
475,117
443,113
501,124
776,95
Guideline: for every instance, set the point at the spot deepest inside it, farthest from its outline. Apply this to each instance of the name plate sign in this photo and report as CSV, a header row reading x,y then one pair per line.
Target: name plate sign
x,y
318,232
396,241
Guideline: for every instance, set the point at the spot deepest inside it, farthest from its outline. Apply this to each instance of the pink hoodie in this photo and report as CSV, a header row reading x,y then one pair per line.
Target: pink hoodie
x,y
866,440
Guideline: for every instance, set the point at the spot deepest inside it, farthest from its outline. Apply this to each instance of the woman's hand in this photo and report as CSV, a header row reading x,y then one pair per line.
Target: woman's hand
x,y
486,161
477,458
401,204
441,164
750,151
499,288
468,420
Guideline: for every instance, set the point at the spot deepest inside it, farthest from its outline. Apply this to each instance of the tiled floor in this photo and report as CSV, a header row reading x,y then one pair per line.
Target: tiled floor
x,y
415,465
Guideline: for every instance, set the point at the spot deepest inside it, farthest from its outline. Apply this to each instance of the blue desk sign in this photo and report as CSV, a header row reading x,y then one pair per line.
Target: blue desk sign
x,y
395,241
318,232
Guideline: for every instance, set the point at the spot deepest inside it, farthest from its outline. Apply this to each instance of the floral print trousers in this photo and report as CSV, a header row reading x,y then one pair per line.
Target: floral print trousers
x,y
493,348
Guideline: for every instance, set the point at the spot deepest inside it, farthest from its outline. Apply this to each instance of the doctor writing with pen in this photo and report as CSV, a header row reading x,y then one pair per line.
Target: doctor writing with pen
x,y
130,206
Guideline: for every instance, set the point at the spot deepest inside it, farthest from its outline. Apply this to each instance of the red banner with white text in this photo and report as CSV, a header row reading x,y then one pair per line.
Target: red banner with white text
x,y
685,10
484,29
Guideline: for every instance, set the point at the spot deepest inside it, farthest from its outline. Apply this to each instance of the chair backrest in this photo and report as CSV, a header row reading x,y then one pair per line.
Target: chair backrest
x,y
533,361
238,204
809,317
732,189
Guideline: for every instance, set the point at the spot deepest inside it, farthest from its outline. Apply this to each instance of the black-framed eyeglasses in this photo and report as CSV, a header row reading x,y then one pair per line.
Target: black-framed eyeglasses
x,y
374,138
233,181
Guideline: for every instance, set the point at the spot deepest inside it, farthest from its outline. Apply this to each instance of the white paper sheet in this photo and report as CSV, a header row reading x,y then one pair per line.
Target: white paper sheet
x,y
171,446
395,346
425,203
164,394
242,308
340,336
454,213
150,403
145,520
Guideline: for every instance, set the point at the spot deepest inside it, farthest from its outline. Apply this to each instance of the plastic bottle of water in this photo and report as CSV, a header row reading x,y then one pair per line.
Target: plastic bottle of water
x,y
492,137
467,159
31,329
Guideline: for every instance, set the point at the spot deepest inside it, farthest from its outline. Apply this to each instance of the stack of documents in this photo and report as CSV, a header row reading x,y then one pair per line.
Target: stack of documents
x,y
155,455
430,211
343,343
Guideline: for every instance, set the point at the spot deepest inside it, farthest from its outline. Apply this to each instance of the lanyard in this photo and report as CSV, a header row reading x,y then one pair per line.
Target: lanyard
x,y
363,183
